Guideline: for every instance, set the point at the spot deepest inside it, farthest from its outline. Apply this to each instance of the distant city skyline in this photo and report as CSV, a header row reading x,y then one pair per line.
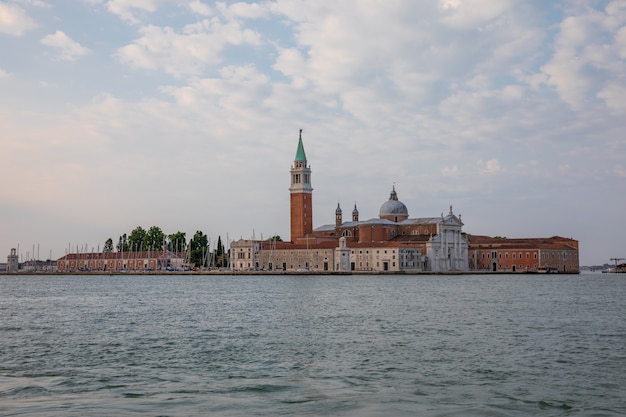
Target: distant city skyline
x,y
186,115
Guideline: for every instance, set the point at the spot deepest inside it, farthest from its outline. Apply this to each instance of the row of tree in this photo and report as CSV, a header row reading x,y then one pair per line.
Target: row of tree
x,y
197,250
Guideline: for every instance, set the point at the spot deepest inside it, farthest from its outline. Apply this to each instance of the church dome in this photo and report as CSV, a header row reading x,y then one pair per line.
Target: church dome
x,y
393,209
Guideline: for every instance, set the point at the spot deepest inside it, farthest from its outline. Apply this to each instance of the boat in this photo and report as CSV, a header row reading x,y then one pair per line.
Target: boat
x,y
543,270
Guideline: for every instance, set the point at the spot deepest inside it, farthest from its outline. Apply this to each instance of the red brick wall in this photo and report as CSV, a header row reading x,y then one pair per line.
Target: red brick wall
x,y
301,215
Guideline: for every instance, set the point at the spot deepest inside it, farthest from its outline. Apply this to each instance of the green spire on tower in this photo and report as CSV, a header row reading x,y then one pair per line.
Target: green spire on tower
x,y
300,155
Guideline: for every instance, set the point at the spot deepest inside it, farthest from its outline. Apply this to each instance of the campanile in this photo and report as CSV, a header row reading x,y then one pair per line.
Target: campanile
x,y
301,196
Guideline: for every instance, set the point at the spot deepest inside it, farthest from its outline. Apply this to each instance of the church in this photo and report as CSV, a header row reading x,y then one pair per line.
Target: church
x,y
392,242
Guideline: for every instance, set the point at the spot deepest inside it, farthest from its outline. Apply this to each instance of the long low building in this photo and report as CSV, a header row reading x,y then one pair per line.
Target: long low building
x,y
325,256
496,254
120,261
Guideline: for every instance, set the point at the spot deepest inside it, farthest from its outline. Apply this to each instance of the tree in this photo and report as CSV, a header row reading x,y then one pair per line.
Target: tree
x,y
122,244
108,245
178,242
136,239
154,239
220,258
199,244
275,238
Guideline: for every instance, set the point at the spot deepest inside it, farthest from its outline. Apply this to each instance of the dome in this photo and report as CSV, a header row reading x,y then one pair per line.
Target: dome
x,y
393,207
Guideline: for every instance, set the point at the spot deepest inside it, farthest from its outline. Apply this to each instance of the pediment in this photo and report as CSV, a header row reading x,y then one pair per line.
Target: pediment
x,y
452,220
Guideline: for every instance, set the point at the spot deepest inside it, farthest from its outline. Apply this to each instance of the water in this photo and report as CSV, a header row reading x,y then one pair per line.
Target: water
x,y
501,345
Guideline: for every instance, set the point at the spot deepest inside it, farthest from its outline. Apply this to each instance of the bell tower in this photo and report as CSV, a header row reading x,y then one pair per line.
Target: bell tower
x,y
301,195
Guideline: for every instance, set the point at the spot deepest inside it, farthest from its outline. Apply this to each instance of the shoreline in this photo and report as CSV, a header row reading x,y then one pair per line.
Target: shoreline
x,y
269,273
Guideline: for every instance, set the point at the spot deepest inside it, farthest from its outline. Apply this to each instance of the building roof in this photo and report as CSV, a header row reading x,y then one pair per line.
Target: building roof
x,y
381,222
393,206
554,243
420,221
120,255
411,238
300,155
326,228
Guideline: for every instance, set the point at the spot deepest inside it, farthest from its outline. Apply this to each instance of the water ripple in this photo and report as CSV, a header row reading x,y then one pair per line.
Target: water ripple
x,y
347,346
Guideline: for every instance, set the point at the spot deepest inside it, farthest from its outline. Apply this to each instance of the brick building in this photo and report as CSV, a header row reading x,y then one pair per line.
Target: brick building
x,y
120,261
495,254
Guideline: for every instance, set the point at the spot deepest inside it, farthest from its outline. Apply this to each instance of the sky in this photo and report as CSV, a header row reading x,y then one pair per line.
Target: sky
x,y
185,114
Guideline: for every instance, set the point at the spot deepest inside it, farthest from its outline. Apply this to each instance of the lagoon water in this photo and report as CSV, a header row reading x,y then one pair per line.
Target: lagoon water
x,y
461,345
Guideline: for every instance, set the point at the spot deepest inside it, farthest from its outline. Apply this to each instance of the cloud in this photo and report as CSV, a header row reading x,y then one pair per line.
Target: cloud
x,y
35,3
3,74
234,94
128,9
387,65
589,58
492,166
466,14
614,95
69,49
190,52
245,10
619,171
200,8
450,171
14,20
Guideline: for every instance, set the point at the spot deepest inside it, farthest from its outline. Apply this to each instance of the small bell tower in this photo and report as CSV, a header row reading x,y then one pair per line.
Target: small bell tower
x,y
355,214
338,216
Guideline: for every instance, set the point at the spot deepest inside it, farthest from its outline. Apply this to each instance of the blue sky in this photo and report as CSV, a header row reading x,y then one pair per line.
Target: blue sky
x,y
185,114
